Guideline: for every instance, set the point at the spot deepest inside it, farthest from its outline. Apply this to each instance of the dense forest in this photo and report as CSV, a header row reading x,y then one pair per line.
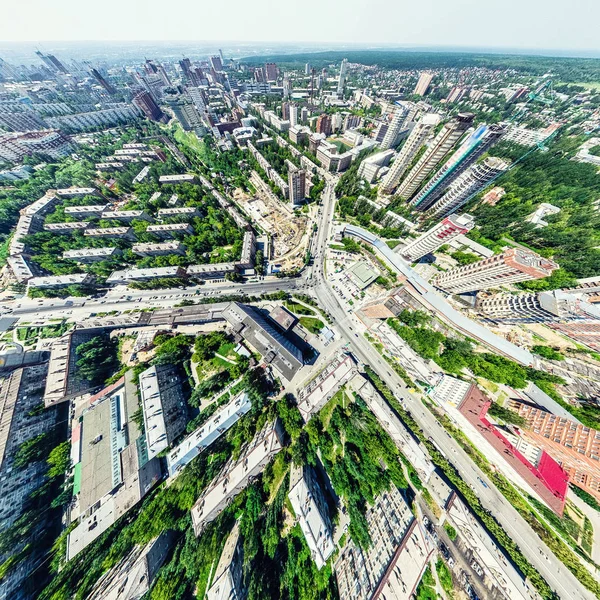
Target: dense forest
x,y
572,236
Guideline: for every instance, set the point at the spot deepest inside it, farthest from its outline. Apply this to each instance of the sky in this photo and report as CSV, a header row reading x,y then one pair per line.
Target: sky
x,y
535,24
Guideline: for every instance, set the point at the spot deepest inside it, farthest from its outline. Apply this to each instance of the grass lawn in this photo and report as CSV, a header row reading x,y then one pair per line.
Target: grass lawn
x,y
298,309
312,324
594,85
189,139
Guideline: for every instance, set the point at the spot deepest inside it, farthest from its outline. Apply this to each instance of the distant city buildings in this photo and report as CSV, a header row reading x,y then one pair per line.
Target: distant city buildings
x,y
423,83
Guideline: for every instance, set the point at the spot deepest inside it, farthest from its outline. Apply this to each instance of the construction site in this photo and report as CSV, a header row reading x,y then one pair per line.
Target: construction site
x,y
288,230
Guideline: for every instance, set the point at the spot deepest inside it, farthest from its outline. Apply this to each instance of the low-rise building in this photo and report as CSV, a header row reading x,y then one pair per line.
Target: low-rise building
x,y
276,349
170,230
283,317
176,179
162,249
211,271
132,577
22,269
181,211
313,396
164,407
248,251
67,227
59,281
126,215
90,210
208,432
21,392
114,470
123,233
75,192
129,275
371,167
90,255
236,475
227,583
395,561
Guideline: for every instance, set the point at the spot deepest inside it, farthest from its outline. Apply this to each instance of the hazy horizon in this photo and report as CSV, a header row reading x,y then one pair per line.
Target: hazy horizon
x,y
530,25
24,51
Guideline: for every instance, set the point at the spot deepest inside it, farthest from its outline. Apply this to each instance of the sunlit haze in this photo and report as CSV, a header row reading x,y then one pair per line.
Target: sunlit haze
x,y
541,24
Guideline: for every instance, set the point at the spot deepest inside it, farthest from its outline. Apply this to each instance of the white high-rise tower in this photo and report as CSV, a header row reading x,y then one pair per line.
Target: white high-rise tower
x,y
418,136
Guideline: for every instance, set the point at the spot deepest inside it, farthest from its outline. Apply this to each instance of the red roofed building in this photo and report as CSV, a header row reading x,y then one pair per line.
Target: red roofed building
x,y
575,446
538,469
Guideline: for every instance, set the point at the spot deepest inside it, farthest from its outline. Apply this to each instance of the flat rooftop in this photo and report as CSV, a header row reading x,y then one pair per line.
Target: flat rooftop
x,y
207,433
235,476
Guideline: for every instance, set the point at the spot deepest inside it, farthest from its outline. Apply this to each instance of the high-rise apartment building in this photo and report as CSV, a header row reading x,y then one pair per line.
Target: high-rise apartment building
x,y
293,117
342,78
423,84
297,186
468,184
479,142
511,266
456,94
285,111
102,81
573,445
52,62
418,136
216,63
304,114
392,135
271,71
439,234
443,142
22,121
146,103
323,124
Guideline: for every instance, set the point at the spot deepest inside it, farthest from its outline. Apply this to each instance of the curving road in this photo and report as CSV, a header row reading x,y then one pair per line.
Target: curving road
x,y
537,553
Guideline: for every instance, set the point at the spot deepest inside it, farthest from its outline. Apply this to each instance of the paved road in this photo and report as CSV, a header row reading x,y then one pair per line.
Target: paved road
x,y
313,281
122,299
538,554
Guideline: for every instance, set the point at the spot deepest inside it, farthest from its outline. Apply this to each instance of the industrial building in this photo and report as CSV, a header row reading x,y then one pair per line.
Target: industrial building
x,y
113,471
